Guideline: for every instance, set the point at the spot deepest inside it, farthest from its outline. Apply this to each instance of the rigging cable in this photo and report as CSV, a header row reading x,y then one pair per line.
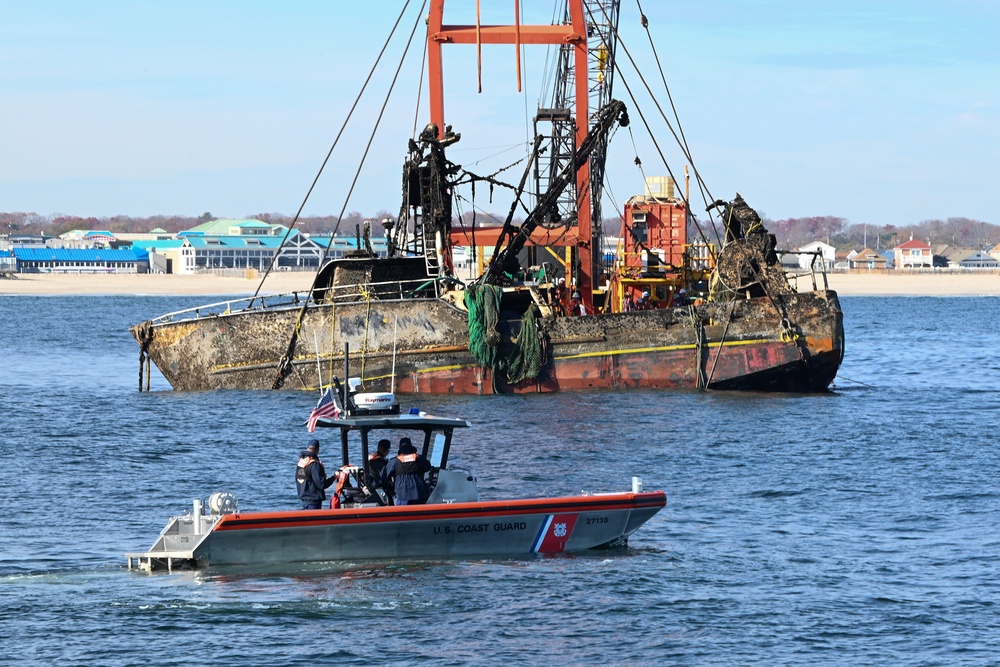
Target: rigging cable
x,y
284,364
645,24
420,89
371,138
291,226
649,131
702,185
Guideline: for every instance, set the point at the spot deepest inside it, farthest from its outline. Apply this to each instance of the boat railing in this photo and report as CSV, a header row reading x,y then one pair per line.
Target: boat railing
x,y
394,290
817,266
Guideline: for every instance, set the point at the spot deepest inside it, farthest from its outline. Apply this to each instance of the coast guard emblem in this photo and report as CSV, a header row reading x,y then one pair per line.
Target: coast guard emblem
x,y
554,533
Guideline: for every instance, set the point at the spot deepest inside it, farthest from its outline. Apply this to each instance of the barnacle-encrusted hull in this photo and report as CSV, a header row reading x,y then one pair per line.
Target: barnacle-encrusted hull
x,y
791,342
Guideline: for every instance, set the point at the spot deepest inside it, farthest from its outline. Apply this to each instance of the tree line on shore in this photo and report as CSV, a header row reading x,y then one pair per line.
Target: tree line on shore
x,y
790,232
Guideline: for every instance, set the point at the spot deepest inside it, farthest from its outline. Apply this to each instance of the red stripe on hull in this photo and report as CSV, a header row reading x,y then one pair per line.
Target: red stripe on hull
x,y
375,514
746,365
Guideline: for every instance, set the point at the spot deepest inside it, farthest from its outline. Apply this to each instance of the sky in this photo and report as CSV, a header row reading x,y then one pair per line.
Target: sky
x,y
884,112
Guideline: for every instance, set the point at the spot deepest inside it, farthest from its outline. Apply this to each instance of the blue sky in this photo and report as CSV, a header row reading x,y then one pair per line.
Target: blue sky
x,y
882,112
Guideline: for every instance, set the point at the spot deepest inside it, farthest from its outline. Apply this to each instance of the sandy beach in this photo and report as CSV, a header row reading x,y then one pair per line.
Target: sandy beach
x,y
853,284
150,283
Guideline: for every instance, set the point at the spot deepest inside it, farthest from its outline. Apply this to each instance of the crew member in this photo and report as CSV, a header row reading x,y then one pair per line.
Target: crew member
x,y
560,297
576,306
310,478
377,461
405,472
643,302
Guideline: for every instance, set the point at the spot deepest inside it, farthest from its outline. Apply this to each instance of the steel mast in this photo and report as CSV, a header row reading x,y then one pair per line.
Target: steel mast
x,y
602,27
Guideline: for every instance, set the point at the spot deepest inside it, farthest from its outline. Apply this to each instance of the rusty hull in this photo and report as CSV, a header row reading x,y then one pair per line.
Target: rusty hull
x,y
741,345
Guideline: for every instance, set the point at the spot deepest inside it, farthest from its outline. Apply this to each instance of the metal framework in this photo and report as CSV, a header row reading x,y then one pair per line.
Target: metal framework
x,y
572,36
602,30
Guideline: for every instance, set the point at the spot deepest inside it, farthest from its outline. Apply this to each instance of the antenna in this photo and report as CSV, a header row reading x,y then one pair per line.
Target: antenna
x,y
392,381
319,366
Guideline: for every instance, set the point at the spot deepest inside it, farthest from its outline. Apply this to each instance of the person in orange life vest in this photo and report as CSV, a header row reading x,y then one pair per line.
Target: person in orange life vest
x,y
576,305
406,473
310,478
377,461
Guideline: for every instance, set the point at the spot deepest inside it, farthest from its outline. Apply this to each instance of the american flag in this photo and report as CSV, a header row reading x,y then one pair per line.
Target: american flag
x,y
327,407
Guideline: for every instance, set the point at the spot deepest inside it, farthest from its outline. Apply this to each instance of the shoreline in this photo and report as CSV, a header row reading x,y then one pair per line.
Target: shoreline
x,y
144,284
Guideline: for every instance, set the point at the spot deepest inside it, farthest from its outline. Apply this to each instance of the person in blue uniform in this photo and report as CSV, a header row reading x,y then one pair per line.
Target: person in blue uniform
x,y
310,478
405,472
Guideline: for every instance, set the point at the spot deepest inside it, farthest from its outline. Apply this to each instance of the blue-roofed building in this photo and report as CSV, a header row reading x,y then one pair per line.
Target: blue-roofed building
x,y
339,246
199,253
8,263
81,260
164,253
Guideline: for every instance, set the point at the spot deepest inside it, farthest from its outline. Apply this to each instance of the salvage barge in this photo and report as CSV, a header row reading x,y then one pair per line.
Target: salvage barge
x,y
668,312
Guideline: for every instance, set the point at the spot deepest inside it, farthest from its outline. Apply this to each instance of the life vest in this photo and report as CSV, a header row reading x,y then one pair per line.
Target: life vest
x,y
300,470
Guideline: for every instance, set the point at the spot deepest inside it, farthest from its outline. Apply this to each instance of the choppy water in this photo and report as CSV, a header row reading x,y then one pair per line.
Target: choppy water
x,y
859,527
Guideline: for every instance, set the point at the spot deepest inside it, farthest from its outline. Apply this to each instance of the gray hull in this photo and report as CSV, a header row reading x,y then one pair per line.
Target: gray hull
x,y
497,528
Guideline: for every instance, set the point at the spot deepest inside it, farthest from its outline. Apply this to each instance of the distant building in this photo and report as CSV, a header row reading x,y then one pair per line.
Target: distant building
x,y
867,259
231,227
790,261
81,260
88,238
979,259
340,246
26,241
8,263
828,255
913,255
954,257
843,259
164,254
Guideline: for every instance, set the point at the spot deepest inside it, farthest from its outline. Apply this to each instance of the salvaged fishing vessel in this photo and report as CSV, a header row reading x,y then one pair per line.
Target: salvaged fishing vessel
x,y
363,524
548,310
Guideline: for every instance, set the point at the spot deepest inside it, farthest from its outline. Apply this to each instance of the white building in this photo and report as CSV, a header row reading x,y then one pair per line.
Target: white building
x,y
827,252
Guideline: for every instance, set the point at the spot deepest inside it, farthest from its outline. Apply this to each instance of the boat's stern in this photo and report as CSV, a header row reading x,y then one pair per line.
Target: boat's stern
x,y
181,543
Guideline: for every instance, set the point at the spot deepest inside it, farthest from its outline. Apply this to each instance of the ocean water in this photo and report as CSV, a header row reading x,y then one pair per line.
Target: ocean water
x,y
858,527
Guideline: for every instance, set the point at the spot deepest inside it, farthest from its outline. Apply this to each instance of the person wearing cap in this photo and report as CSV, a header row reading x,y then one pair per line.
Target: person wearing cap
x,y
377,461
310,478
405,472
576,304
643,302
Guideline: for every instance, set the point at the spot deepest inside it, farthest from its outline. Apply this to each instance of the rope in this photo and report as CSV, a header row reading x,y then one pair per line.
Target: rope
x,y
368,317
722,341
700,382
144,334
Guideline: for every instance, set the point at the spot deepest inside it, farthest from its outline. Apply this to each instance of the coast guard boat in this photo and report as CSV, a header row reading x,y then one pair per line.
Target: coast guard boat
x,y
362,522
